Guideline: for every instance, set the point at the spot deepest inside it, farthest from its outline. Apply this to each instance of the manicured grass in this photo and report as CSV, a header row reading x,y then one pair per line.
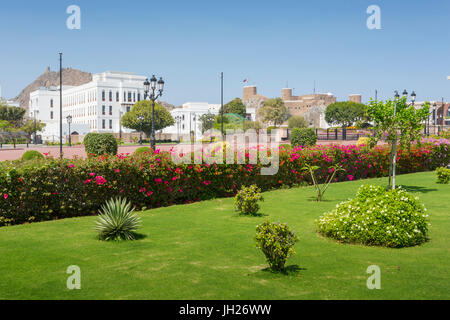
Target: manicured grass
x,y
206,251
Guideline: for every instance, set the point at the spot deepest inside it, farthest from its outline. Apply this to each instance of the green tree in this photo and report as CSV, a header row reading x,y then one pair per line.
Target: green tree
x,y
297,122
398,123
273,111
235,106
163,118
14,115
29,127
207,121
345,113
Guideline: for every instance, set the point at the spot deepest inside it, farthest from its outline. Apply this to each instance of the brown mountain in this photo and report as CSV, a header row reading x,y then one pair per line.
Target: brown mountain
x,y
71,77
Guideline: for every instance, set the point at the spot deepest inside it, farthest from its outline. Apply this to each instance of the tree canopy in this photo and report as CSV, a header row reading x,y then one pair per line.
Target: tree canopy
x,y
163,118
207,121
297,122
345,113
235,106
14,115
273,111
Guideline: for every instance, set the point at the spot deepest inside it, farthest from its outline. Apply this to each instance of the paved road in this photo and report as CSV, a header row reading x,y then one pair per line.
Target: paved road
x,y
8,153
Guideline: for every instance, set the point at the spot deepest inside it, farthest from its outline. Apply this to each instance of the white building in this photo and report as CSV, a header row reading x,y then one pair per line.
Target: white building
x,y
187,118
96,106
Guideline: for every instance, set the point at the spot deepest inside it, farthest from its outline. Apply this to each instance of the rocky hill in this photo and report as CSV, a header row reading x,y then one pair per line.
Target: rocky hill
x,y
71,77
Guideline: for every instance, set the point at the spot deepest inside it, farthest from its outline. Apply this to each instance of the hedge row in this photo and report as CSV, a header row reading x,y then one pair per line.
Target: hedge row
x,y
53,189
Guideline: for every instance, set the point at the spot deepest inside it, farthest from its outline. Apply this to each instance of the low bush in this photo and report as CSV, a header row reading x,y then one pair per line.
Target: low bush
x,y
32,155
247,200
142,150
377,217
276,241
443,175
98,144
117,221
303,137
50,189
363,141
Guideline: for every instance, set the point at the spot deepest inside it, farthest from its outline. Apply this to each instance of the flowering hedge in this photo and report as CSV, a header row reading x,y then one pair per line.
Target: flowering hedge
x,y
53,189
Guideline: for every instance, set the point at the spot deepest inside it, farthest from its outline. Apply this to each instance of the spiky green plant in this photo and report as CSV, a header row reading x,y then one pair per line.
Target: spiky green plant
x,y
117,221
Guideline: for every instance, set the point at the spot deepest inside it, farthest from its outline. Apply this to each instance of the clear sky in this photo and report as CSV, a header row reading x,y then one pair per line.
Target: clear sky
x,y
270,42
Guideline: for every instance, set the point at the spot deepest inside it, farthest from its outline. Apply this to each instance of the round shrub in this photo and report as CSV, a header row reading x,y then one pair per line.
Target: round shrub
x,y
246,200
443,175
142,150
276,240
100,143
303,137
363,141
32,155
392,218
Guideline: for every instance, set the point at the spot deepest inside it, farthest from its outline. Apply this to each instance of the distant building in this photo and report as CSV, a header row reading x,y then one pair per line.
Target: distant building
x,y
187,118
10,103
310,106
95,106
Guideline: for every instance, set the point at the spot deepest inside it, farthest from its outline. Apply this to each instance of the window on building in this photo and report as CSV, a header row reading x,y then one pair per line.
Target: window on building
x,y
51,103
110,110
110,95
139,97
128,109
124,96
117,96
110,124
103,95
51,115
103,110
134,96
129,96
103,124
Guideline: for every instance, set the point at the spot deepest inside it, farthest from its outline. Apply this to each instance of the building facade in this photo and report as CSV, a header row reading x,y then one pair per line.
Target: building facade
x,y
96,106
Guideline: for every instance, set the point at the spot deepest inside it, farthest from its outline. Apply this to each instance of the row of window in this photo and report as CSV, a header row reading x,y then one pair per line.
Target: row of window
x,y
127,96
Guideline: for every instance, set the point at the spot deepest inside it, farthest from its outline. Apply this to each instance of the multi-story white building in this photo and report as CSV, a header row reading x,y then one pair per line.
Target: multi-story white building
x,y
96,106
187,118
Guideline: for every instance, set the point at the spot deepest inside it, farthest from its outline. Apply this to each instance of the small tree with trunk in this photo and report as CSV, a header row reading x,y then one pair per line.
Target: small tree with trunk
x,y
397,122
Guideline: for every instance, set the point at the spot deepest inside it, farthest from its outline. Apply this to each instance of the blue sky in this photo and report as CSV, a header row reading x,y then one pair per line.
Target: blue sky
x,y
270,42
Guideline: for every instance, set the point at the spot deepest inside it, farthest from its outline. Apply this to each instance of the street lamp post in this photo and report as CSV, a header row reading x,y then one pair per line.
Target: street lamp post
x,y
141,120
153,92
178,120
69,121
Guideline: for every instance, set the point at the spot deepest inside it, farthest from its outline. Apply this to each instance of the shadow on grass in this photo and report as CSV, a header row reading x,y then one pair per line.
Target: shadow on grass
x,y
314,199
418,189
287,271
256,215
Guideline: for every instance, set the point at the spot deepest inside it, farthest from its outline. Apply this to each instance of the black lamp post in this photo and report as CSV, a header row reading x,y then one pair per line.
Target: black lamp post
x,y
153,90
141,120
69,121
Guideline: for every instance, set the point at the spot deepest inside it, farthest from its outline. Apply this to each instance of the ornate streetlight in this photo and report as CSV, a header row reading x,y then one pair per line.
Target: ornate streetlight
x,y
120,126
178,121
153,89
69,121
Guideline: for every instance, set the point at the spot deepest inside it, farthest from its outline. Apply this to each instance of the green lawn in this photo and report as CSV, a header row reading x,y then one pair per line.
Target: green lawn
x,y
206,251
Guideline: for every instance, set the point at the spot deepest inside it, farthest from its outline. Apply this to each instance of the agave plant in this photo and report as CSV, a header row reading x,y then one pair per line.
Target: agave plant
x,y
117,221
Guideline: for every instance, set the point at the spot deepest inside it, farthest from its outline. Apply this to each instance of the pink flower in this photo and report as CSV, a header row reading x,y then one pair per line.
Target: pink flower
x,y
206,183
158,180
350,177
149,193
87,181
142,190
71,165
117,170
100,180
5,196
92,174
